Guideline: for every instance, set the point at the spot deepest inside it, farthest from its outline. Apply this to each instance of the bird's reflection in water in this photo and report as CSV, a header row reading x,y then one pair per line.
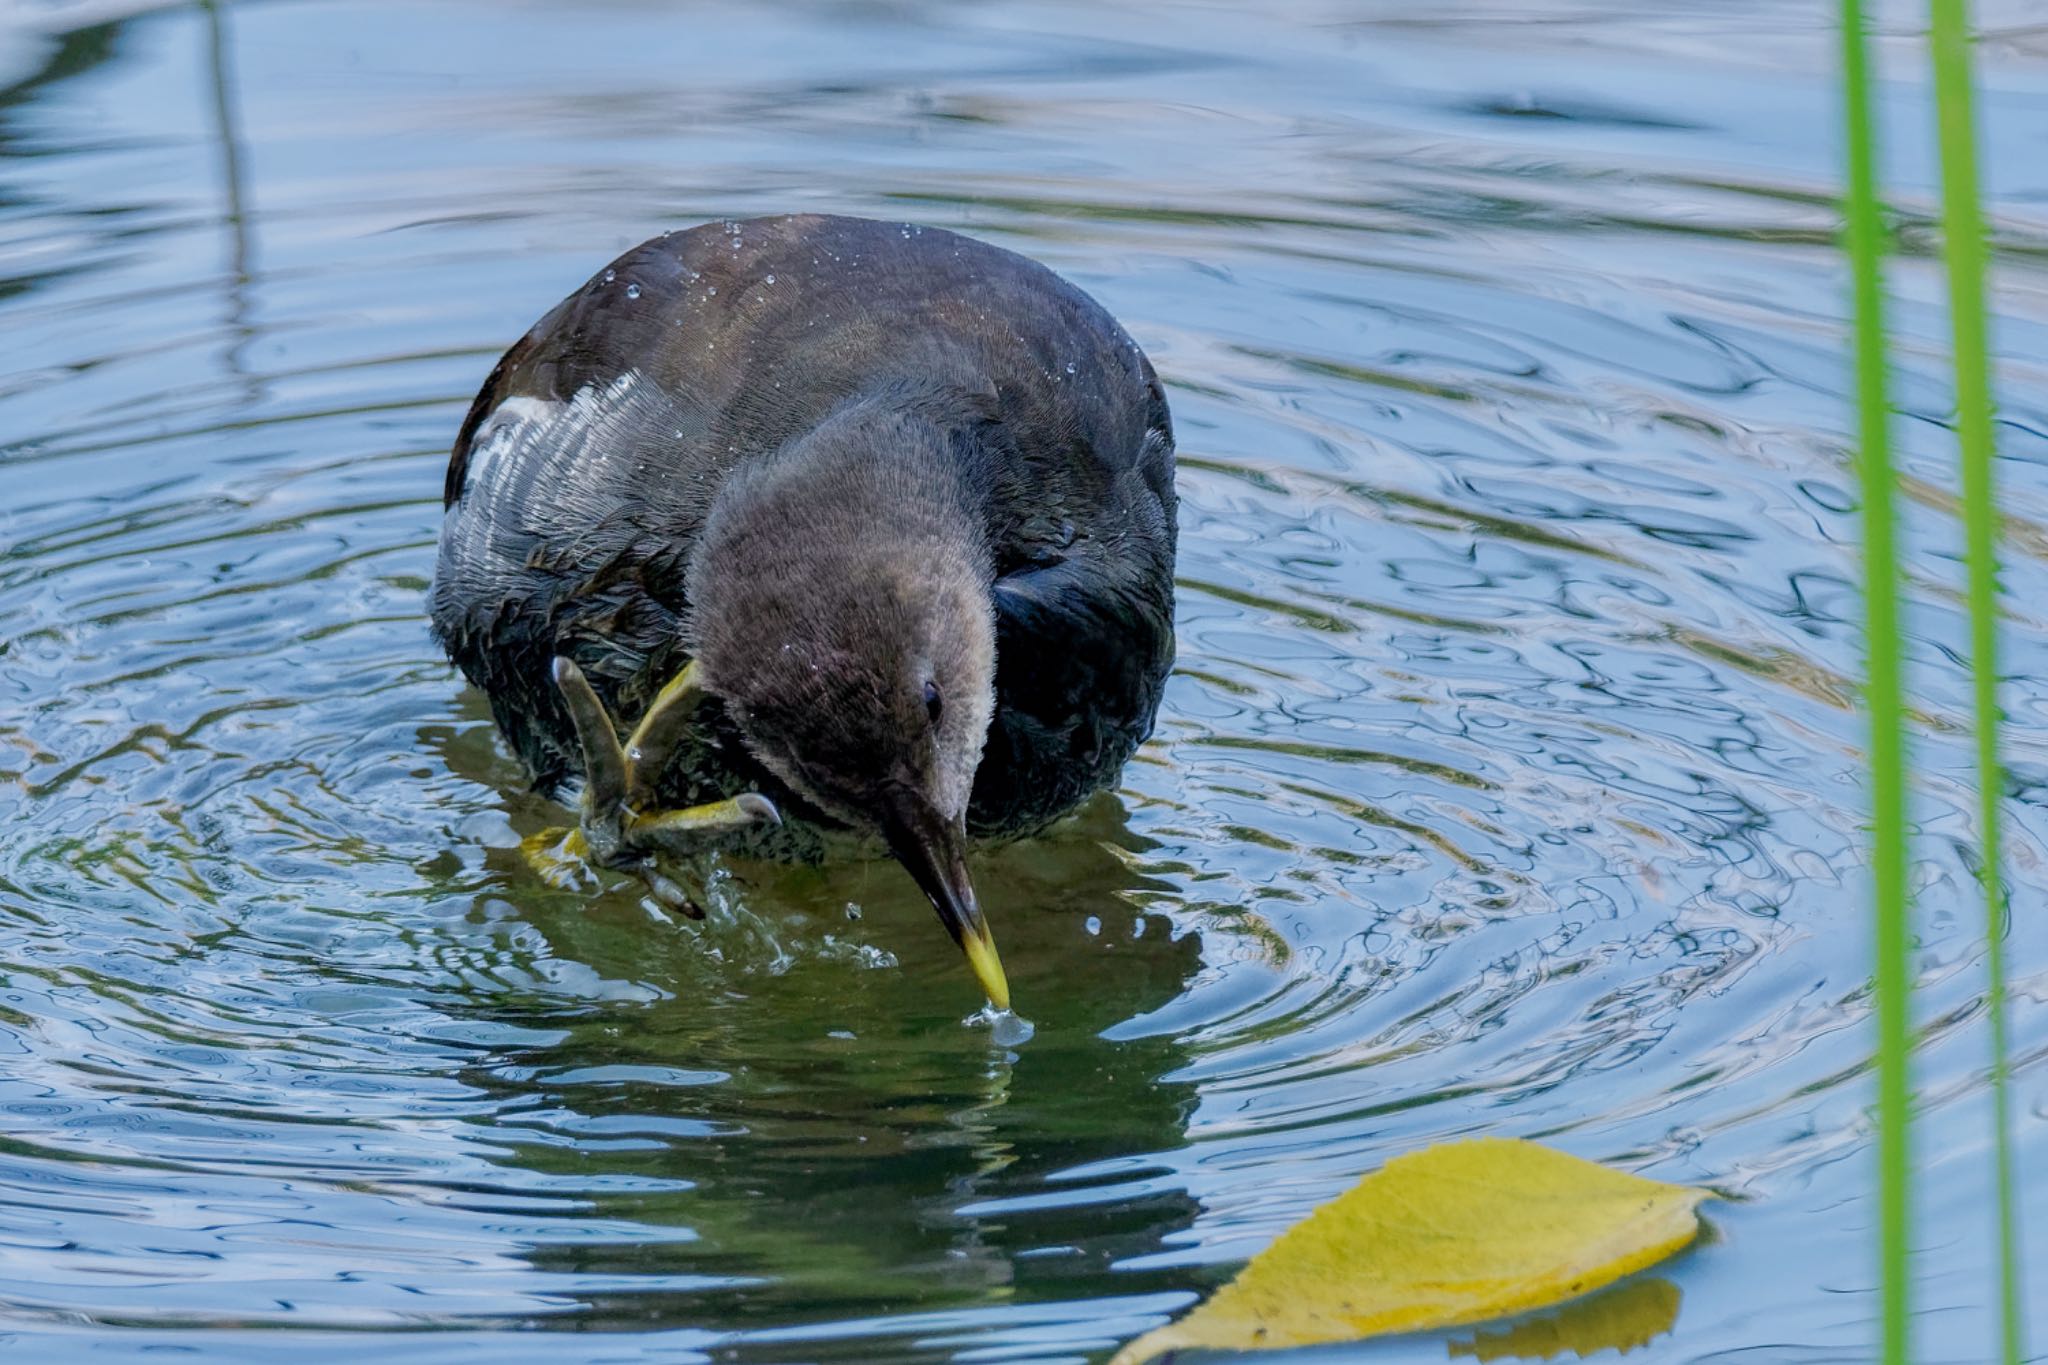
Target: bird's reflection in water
x,y
785,1095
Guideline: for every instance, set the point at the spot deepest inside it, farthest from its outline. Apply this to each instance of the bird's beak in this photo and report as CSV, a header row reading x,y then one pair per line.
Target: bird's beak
x,y
934,850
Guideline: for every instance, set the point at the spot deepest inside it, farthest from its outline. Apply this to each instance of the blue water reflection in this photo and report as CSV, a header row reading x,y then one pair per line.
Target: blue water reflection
x,y
1509,782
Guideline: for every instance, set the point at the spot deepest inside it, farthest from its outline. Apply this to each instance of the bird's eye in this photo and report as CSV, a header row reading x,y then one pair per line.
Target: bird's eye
x,y
933,707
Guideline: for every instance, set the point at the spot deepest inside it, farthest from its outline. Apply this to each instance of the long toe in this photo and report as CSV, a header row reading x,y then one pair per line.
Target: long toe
x,y
670,827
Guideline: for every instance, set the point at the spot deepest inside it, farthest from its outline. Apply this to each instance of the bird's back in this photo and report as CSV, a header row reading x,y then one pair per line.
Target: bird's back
x,y
587,464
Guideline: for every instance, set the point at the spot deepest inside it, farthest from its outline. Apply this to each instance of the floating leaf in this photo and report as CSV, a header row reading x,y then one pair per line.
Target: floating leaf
x,y
1456,1233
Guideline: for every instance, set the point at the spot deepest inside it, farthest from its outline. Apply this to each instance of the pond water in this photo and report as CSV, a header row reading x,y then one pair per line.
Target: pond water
x,y
1509,782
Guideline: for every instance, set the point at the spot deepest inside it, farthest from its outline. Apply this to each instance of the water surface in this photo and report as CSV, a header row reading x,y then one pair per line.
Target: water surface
x,y
1509,782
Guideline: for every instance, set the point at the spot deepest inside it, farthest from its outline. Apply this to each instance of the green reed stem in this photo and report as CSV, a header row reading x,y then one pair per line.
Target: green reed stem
x,y
1963,246
1866,242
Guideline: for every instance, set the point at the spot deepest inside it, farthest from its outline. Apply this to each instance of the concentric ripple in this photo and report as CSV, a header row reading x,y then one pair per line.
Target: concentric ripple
x,y
1510,781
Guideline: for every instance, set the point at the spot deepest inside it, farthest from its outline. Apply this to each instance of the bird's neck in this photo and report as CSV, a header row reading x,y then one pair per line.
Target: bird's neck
x,y
879,474
877,495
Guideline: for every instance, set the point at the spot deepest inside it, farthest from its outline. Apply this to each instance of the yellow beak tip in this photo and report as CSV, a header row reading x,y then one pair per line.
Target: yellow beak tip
x,y
988,969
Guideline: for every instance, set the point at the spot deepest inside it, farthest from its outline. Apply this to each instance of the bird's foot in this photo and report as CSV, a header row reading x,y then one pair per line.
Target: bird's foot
x,y
619,779
561,858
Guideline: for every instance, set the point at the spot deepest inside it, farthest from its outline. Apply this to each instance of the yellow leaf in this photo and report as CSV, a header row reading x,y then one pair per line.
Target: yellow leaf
x,y
1456,1233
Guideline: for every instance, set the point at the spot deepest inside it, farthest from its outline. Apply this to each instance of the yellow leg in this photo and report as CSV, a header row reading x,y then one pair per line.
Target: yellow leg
x,y
654,739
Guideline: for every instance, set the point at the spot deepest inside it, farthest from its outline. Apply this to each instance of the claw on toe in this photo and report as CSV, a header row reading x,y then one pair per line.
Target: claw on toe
x,y
759,807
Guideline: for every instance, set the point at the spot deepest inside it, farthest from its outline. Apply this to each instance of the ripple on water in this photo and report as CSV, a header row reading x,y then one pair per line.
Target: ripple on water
x,y
1508,781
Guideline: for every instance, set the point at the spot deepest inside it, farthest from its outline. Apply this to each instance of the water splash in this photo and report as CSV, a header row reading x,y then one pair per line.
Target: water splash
x,y
1006,1028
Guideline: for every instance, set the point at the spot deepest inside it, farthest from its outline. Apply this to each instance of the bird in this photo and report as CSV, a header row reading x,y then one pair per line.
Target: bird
x,y
811,532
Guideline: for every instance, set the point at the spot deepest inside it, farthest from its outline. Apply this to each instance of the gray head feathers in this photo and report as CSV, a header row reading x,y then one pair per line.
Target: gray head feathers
x,y
842,610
